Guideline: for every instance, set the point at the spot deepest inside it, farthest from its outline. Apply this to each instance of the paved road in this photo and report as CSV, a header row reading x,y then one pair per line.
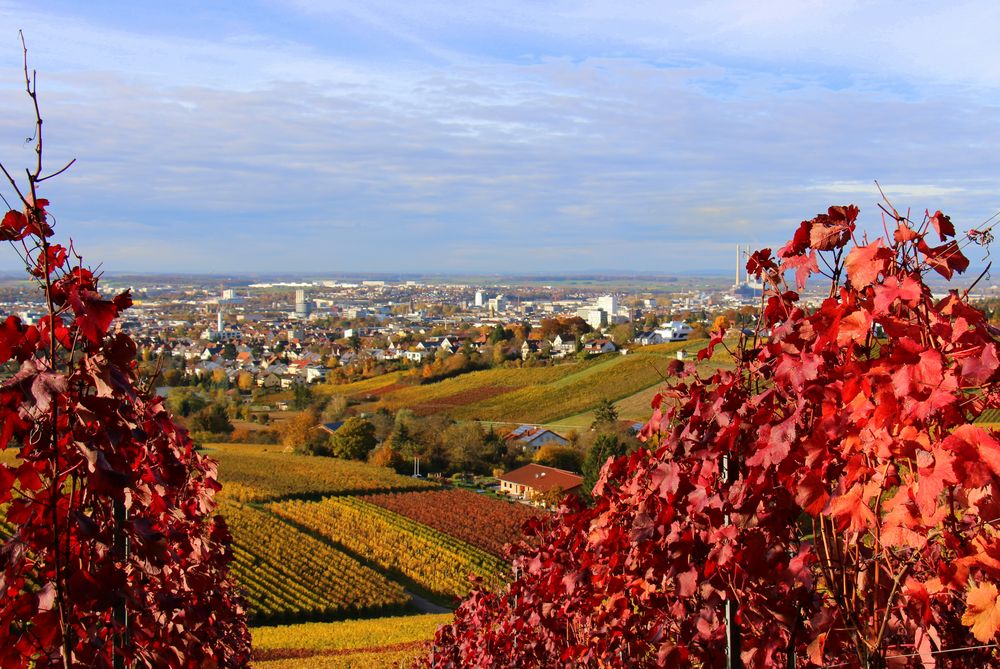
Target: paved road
x,y
426,606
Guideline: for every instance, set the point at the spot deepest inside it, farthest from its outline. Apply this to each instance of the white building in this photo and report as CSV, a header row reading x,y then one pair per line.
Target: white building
x,y
596,318
498,304
479,298
609,303
674,331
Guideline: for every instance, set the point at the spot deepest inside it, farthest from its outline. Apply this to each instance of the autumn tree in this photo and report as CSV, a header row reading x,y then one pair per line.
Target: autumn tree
x,y
560,457
353,440
110,552
466,447
300,433
831,493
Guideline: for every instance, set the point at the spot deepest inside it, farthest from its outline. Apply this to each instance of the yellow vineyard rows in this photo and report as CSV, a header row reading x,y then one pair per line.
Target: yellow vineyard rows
x,y
368,644
352,634
254,473
288,575
434,560
374,659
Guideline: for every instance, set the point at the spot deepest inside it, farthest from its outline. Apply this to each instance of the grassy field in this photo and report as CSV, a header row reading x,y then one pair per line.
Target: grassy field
x,y
375,643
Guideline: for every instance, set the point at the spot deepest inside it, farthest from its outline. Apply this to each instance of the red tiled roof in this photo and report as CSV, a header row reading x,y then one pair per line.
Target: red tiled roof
x,y
542,478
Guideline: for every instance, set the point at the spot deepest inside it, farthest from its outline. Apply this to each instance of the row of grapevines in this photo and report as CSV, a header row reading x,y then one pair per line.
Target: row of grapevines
x,y
255,473
290,575
432,559
369,659
484,522
347,634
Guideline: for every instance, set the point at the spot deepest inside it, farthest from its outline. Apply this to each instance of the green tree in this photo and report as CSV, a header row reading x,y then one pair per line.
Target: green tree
x,y
185,401
605,415
302,397
622,334
605,446
212,419
354,440
498,334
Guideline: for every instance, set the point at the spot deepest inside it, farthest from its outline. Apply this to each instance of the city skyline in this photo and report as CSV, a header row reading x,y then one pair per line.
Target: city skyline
x,y
502,138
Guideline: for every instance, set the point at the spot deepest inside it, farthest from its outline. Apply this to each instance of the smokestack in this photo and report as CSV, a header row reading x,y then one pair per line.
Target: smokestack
x,y
737,284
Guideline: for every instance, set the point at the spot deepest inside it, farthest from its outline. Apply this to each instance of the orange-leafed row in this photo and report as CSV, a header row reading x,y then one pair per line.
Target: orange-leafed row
x,y
484,522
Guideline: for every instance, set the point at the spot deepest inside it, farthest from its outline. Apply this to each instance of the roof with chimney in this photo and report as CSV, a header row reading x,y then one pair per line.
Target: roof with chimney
x,y
542,478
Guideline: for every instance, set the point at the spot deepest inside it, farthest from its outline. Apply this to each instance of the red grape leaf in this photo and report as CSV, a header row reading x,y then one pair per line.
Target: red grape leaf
x,y
865,263
943,225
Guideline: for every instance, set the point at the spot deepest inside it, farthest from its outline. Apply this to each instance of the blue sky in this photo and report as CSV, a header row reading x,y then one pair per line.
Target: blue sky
x,y
513,136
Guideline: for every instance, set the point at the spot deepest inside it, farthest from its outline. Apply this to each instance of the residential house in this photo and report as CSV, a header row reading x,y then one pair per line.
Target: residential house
x,y
563,345
599,346
331,428
531,437
648,338
531,480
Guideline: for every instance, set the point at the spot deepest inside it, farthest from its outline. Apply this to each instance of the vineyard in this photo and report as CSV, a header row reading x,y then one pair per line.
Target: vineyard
x,y
253,473
482,521
287,575
430,558
526,394
383,642
613,378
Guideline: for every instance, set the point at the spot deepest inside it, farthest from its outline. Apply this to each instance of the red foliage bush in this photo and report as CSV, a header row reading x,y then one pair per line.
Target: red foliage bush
x,y
832,485
113,556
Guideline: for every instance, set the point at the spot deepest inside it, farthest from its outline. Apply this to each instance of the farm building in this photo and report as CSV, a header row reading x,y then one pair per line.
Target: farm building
x,y
530,480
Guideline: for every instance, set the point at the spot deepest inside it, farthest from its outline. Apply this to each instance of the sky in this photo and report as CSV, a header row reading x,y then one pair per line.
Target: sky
x,y
513,136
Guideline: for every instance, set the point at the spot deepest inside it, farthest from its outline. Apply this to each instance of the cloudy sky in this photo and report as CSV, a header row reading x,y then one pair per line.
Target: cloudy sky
x,y
499,136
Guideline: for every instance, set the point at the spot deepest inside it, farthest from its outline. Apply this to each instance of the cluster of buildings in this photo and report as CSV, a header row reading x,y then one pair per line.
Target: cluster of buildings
x,y
283,333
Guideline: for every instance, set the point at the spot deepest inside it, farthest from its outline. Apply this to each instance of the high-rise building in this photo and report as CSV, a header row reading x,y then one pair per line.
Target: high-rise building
x,y
479,298
609,303
302,307
498,304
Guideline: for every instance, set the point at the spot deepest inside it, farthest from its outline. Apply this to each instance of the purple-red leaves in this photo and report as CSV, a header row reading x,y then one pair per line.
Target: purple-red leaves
x,y
88,438
942,224
13,226
833,229
51,260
